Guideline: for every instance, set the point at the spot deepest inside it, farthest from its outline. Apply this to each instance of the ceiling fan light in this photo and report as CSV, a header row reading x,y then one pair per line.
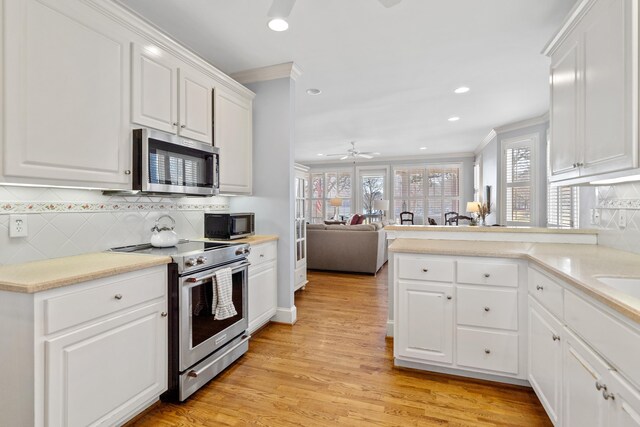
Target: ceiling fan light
x,y
462,89
278,24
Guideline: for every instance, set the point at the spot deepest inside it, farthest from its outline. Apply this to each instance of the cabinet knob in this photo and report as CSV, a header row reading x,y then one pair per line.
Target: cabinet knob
x,y
449,297
487,351
487,275
580,164
127,172
539,287
575,165
608,395
183,126
425,270
118,296
261,255
487,309
600,386
555,337
164,314
174,124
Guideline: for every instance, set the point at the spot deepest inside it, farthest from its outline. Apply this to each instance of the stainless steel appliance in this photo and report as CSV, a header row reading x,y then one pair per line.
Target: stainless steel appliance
x,y
169,164
229,226
200,347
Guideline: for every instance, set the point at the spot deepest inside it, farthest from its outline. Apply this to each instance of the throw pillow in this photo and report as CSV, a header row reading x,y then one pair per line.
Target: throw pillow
x,y
354,219
360,219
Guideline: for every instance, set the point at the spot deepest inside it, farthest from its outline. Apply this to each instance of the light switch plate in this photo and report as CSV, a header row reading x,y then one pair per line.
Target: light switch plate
x,y
622,218
595,216
18,226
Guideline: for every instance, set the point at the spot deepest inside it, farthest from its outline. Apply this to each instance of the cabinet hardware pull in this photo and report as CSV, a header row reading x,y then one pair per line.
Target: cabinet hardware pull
x,y
192,374
261,255
174,124
487,275
487,351
127,172
425,269
183,126
118,296
580,165
556,337
575,165
487,309
600,386
539,287
608,395
164,314
449,297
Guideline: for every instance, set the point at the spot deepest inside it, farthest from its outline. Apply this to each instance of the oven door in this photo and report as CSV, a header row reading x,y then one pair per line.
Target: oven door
x,y
200,333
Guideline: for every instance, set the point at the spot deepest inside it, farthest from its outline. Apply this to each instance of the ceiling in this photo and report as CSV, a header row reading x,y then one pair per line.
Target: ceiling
x,y
387,75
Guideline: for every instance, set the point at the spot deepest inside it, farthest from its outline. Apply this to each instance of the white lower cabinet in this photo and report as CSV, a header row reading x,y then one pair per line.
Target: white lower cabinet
x,y
97,351
624,408
545,359
263,284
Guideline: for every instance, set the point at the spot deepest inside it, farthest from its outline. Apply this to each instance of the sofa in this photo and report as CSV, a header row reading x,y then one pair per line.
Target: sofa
x,y
350,248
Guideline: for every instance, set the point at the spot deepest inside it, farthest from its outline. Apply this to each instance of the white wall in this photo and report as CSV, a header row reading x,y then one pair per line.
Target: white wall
x,y
273,178
64,222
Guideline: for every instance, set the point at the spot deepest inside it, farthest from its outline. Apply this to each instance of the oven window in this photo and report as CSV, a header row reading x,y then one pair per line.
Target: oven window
x,y
174,165
203,325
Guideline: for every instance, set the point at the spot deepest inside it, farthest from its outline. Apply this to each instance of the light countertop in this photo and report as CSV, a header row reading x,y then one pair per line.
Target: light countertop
x,y
40,276
578,265
478,229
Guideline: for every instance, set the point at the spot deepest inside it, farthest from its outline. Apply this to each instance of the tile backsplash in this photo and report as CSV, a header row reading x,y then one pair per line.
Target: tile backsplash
x,y
64,222
610,202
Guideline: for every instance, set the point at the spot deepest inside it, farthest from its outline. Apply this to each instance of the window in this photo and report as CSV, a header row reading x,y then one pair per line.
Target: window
x,y
518,161
372,188
434,190
326,186
563,207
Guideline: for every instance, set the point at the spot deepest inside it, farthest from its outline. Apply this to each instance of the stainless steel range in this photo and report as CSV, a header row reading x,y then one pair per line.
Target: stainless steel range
x,y
200,347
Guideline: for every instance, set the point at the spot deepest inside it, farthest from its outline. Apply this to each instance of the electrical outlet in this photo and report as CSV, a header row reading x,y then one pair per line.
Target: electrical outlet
x,y
595,216
18,226
622,218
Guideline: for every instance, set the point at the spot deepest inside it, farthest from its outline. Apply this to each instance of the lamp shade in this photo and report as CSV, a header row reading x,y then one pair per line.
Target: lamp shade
x,y
335,202
381,205
473,207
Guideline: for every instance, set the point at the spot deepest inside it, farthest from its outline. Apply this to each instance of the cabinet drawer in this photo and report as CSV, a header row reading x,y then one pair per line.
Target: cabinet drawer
x,y
487,273
617,342
263,253
492,308
546,291
108,296
300,276
493,351
424,268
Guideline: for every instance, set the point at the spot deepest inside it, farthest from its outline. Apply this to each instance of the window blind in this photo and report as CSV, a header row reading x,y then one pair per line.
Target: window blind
x,y
518,178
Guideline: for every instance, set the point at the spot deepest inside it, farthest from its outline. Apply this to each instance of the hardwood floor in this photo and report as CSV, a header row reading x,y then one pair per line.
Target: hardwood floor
x,y
334,367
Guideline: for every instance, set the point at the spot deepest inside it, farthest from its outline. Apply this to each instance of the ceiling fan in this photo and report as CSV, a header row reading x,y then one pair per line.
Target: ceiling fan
x,y
282,8
353,153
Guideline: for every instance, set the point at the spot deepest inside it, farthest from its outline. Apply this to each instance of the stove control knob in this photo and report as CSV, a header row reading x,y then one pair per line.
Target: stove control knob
x,y
190,262
202,259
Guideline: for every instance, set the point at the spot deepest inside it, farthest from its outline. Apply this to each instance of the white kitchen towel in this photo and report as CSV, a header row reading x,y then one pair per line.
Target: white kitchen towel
x,y
222,305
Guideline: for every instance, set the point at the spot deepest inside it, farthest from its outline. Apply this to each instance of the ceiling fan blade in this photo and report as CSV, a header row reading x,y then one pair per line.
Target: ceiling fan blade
x,y
334,154
365,156
344,157
389,3
281,8
369,152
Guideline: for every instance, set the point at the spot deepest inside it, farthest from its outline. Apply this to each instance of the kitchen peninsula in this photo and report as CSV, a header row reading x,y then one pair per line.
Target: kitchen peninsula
x,y
545,307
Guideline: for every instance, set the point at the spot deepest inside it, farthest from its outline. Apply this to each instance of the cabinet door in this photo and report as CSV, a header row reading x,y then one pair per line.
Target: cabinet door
x,y
624,408
563,154
583,374
233,134
545,359
425,321
196,91
263,283
100,374
66,96
609,84
154,89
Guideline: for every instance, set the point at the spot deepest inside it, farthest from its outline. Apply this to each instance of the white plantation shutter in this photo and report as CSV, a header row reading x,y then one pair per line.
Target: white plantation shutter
x,y
518,169
563,207
326,186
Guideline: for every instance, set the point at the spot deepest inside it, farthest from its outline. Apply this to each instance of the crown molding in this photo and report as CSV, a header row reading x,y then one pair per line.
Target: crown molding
x,y
487,139
574,16
386,160
270,72
538,120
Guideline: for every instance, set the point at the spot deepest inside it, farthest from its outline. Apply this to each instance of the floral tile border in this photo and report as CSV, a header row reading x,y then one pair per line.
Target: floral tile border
x,y
619,204
41,207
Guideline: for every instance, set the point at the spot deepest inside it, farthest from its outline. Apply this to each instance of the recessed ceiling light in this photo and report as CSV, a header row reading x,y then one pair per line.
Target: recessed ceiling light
x,y
319,154
423,148
278,24
462,89
313,91
453,119
376,153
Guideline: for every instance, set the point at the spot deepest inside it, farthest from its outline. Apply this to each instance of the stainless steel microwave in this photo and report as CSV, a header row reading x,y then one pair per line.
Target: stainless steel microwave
x,y
171,165
229,226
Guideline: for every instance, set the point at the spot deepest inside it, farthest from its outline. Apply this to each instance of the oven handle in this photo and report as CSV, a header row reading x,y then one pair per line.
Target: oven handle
x,y
234,268
194,374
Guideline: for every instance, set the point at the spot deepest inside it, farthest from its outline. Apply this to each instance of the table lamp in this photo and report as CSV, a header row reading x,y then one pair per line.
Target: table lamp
x,y
473,208
336,203
381,205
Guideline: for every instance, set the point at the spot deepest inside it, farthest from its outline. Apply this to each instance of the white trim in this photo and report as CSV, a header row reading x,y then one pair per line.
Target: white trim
x,y
487,139
531,140
300,167
286,315
386,189
573,18
270,72
534,121
390,328
383,160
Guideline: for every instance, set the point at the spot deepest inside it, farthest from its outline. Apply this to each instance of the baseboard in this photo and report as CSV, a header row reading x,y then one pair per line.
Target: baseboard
x,y
286,315
389,328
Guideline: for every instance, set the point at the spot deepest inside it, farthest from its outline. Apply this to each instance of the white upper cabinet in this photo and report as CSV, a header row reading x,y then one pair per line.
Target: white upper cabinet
x,y
594,84
234,137
168,95
66,96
